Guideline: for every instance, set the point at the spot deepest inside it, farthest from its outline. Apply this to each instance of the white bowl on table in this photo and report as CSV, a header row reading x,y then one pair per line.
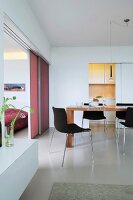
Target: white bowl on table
x,y
94,104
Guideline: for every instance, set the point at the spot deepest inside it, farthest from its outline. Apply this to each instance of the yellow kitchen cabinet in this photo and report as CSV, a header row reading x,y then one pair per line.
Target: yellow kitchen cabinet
x,y
100,73
110,73
96,73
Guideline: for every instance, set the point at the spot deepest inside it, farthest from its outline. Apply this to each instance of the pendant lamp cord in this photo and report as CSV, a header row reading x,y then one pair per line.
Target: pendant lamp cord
x,y
110,42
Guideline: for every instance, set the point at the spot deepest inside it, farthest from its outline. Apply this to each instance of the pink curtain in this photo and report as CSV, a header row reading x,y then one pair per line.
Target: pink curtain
x,y
44,96
34,93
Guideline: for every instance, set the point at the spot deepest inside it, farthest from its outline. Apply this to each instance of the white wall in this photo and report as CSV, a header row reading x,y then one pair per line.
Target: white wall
x,y
17,71
69,75
1,57
21,14
1,61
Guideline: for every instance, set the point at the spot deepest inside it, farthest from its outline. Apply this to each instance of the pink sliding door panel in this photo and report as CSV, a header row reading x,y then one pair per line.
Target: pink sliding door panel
x,y
34,93
44,96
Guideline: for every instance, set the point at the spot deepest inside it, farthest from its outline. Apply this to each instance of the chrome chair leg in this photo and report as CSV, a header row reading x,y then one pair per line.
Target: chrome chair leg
x,y
92,150
118,131
124,140
64,151
82,122
117,123
82,127
105,126
75,140
51,141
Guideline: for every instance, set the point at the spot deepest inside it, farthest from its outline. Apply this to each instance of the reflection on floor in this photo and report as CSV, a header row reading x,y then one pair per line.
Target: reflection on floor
x,y
109,166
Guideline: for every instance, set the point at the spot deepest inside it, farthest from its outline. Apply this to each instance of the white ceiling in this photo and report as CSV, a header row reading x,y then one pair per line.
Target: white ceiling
x,y
85,22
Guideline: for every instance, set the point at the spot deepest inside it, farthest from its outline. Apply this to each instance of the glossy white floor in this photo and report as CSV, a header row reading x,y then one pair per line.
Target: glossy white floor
x,y
109,165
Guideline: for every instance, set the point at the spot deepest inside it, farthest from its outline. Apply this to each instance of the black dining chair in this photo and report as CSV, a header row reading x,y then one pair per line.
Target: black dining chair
x,y
61,125
94,115
121,115
127,124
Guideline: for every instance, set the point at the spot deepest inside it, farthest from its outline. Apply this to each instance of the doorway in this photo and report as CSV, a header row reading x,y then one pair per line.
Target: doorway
x,y
20,53
17,83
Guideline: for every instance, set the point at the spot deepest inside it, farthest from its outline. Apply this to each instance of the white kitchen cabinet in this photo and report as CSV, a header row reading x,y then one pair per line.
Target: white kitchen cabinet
x,y
124,83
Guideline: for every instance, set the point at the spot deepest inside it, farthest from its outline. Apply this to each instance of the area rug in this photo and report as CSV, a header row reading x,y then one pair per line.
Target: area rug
x,y
85,191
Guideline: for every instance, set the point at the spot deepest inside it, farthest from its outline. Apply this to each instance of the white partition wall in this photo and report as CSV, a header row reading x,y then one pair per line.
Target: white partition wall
x,y
124,84
1,56
1,60
127,83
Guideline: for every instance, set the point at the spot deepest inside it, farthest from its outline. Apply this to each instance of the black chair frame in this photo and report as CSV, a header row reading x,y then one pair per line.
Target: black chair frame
x,y
120,116
127,124
94,115
61,125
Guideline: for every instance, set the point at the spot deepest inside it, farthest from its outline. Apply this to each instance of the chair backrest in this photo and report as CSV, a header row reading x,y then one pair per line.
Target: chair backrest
x,y
122,114
124,104
129,117
93,115
60,119
86,104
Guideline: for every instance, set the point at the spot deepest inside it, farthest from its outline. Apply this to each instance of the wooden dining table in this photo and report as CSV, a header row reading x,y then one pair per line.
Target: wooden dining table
x,y
70,115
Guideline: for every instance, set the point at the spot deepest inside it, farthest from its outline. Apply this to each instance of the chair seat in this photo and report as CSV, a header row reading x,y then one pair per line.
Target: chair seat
x,y
126,124
93,115
123,123
121,115
74,128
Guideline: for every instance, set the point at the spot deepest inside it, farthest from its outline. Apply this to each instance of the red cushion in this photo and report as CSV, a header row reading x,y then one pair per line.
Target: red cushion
x,y
11,113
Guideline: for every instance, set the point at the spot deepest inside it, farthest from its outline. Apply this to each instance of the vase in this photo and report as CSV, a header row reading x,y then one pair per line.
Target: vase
x,y
9,136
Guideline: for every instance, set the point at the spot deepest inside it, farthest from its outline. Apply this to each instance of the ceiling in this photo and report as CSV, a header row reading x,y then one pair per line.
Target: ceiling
x,y
85,22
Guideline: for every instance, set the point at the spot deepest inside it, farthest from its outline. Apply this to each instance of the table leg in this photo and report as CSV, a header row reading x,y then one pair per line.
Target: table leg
x,y
70,116
70,137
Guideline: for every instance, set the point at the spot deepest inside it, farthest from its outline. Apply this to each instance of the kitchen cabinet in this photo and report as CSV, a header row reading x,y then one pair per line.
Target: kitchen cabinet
x,y
104,90
124,83
100,73
96,73
109,68
100,84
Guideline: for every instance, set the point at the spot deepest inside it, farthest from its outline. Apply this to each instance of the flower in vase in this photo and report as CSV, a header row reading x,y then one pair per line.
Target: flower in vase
x,y
10,128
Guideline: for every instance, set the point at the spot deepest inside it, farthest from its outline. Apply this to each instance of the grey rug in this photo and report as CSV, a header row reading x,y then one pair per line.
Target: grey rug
x,y
85,191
